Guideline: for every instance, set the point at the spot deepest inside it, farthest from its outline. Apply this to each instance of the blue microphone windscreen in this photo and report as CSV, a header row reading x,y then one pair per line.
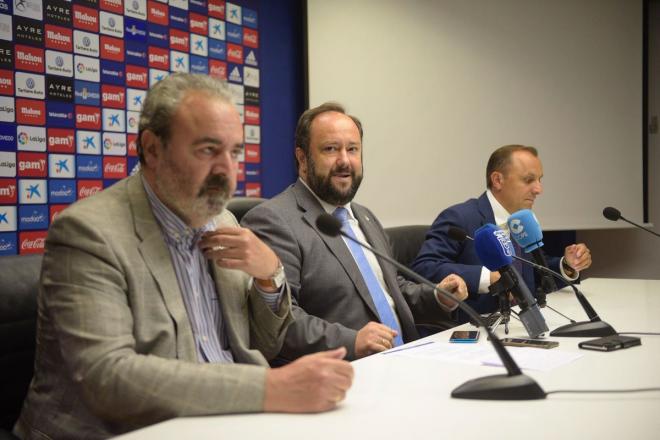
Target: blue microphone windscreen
x,y
493,247
525,230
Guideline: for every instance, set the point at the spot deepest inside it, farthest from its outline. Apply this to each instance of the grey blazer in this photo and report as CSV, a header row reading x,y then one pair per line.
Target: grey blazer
x,y
330,298
115,350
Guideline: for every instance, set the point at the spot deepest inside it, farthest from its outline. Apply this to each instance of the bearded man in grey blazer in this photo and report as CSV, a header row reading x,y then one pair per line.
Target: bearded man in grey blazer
x,y
343,296
154,302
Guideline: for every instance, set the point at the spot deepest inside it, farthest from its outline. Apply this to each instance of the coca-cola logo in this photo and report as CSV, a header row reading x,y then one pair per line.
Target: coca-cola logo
x,y
37,243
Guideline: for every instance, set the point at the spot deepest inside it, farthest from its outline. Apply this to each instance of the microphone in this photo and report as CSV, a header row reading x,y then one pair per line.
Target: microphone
x,y
511,386
591,328
526,231
614,214
495,250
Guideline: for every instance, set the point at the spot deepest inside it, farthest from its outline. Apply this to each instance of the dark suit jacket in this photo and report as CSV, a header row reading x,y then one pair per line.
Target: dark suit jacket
x,y
441,256
331,300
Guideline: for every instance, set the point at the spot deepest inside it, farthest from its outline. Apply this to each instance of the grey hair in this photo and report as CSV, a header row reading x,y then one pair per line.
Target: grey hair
x,y
164,98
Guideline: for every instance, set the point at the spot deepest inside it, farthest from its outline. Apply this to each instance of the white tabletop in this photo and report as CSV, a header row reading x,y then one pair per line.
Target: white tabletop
x,y
399,397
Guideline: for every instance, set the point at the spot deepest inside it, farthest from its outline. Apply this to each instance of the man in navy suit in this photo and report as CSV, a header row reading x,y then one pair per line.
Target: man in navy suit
x,y
513,178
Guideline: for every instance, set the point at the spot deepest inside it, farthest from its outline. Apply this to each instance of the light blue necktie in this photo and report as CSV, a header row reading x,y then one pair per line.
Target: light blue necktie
x,y
385,312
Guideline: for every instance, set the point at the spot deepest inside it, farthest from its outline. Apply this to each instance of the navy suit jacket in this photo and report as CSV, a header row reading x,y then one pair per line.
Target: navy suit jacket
x,y
441,256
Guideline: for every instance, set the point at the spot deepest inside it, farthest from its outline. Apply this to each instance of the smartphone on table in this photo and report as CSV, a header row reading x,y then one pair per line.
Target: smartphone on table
x,y
464,336
536,343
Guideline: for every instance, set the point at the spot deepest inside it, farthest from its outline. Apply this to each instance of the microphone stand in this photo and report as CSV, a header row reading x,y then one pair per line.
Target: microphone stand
x,y
511,386
594,327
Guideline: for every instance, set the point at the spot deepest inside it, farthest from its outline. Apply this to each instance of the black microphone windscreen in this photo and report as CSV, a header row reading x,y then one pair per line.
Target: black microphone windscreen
x,y
611,213
456,234
328,224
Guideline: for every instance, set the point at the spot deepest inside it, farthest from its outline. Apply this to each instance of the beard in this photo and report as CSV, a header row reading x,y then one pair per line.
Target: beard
x,y
174,186
325,190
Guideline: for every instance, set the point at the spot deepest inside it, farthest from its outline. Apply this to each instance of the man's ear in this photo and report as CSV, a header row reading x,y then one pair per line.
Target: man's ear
x,y
151,147
302,162
496,179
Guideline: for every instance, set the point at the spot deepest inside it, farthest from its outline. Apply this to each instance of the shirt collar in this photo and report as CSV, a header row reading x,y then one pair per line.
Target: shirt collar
x,y
328,207
176,231
500,213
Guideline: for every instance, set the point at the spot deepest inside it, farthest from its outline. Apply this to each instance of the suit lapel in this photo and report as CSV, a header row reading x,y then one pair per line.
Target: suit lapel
x,y
311,210
486,211
159,262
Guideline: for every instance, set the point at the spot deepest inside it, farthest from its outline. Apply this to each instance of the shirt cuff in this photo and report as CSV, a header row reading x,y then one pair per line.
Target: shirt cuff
x,y
484,280
272,299
563,273
442,305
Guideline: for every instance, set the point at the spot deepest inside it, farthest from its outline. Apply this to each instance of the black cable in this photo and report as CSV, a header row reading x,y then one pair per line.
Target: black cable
x,y
632,390
639,333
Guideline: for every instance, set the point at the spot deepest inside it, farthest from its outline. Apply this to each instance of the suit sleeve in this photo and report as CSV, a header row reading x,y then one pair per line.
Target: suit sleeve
x,y
85,297
439,254
308,333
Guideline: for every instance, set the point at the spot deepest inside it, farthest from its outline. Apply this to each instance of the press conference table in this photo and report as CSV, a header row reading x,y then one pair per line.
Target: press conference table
x,y
399,397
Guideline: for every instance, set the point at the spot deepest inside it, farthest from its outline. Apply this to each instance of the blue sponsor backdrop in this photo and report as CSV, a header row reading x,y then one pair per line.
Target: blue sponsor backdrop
x,y
71,76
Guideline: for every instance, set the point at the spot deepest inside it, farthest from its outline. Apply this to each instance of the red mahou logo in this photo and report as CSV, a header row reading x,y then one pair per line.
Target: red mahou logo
x,y
85,18
29,58
30,111
112,6
59,38
112,48
157,13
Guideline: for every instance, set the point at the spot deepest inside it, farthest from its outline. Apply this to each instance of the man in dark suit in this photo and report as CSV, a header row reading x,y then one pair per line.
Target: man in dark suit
x,y
513,178
342,295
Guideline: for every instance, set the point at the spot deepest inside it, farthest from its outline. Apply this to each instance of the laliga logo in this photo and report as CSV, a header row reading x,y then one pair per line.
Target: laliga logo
x,y
80,67
22,138
132,121
107,144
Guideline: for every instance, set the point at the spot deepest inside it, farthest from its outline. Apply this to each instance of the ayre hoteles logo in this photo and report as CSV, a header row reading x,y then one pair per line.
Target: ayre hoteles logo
x,y
28,31
6,55
86,43
58,12
59,88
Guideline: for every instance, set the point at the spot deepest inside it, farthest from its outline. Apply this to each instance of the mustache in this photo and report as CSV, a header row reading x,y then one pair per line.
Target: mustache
x,y
215,182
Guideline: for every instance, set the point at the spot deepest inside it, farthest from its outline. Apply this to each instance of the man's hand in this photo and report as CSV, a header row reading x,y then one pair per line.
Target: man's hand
x,y
494,277
313,383
238,248
374,338
577,256
456,286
